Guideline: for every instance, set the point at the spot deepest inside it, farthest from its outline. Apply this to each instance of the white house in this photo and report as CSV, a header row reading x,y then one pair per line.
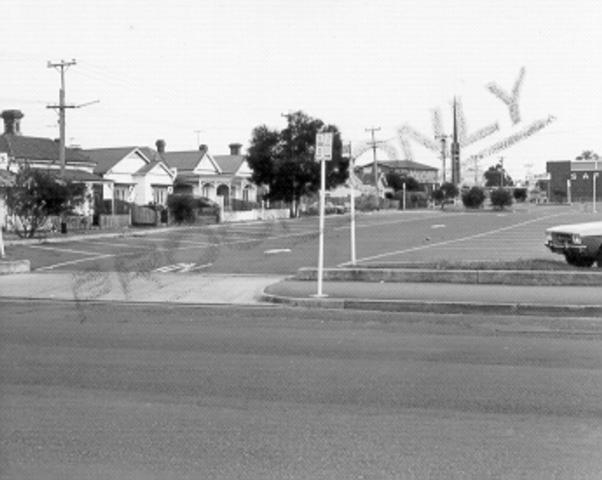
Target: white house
x,y
136,174
220,178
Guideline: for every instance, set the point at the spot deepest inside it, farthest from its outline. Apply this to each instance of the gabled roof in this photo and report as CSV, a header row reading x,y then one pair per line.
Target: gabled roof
x,y
107,158
38,148
403,165
149,166
229,164
184,161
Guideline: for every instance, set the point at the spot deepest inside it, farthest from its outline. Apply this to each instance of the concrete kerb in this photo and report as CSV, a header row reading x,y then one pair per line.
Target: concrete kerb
x,y
392,306
14,266
498,277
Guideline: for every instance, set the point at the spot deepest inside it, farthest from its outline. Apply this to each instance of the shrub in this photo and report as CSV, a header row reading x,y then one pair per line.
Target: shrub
x,y
367,203
473,198
181,208
520,194
445,194
500,198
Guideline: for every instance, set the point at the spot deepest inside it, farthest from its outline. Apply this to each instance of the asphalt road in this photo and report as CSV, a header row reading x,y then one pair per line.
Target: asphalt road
x,y
99,391
285,246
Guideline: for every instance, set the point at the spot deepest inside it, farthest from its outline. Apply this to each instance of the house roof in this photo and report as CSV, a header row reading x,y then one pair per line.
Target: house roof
x,y
229,164
107,158
37,148
149,166
403,165
186,160
74,175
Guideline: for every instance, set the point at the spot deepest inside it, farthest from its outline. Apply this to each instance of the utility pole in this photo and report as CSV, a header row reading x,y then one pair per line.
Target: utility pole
x,y
62,66
502,175
374,164
455,151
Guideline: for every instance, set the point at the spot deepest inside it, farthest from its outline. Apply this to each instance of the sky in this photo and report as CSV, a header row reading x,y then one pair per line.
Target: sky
x,y
209,71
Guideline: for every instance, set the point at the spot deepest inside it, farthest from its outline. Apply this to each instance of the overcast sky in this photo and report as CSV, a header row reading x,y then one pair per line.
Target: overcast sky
x,y
209,71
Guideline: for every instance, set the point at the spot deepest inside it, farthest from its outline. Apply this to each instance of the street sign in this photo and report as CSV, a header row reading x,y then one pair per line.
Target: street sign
x,y
324,146
346,150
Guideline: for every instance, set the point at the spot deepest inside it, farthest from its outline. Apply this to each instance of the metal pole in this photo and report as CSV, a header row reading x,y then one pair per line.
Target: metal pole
x,y
404,195
594,178
352,203
321,239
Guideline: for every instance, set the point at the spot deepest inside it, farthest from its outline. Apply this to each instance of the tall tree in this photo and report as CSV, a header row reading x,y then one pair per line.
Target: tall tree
x,y
588,155
496,176
284,161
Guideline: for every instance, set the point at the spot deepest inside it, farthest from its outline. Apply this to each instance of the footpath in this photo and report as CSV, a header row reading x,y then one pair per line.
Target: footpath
x,y
543,293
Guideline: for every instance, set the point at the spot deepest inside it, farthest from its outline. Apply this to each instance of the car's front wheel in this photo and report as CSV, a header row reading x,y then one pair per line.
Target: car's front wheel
x,y
579,261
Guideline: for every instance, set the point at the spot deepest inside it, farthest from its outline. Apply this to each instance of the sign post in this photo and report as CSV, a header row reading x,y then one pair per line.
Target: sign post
x,y
323,154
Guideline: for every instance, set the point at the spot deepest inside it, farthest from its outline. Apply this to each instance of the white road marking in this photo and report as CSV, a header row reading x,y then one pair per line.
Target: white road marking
x,y
456,240
277,250
438,225
67,250
73,262
181,267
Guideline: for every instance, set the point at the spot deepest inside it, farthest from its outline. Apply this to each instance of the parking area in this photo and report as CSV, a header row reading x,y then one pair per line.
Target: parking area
x,y
284,246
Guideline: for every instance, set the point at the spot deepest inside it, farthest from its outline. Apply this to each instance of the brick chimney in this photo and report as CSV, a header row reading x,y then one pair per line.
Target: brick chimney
x,y
12,121
160,144
235,148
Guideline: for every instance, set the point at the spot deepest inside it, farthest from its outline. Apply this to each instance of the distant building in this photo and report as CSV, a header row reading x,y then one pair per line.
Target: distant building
x,y
574,176
425,175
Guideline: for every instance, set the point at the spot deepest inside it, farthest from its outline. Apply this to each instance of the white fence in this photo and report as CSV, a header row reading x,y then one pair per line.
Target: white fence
x,y
257,214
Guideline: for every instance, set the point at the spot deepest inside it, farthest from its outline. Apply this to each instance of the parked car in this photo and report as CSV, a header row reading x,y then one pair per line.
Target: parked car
x,y
329,208
580,243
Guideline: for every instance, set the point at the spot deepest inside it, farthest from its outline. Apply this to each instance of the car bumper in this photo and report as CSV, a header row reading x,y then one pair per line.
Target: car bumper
x,y
565,247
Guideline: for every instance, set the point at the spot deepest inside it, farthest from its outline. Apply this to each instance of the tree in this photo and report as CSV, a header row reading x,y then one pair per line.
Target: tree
x,y
445,193
37,194
474,197
496,176
284,160
588,155
500,198
396,181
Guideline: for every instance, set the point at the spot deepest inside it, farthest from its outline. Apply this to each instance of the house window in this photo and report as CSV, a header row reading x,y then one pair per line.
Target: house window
x,y
122,192
160,195
245,194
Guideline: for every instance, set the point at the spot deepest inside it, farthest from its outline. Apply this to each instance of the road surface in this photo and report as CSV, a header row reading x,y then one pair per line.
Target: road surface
x,y
99,391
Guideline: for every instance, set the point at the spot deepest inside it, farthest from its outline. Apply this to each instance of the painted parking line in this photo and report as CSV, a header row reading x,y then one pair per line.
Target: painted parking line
x,y
111,244
452,241
66,250
74,262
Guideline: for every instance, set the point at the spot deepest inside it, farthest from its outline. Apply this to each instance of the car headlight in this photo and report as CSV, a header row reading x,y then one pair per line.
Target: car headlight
x,y
576,239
